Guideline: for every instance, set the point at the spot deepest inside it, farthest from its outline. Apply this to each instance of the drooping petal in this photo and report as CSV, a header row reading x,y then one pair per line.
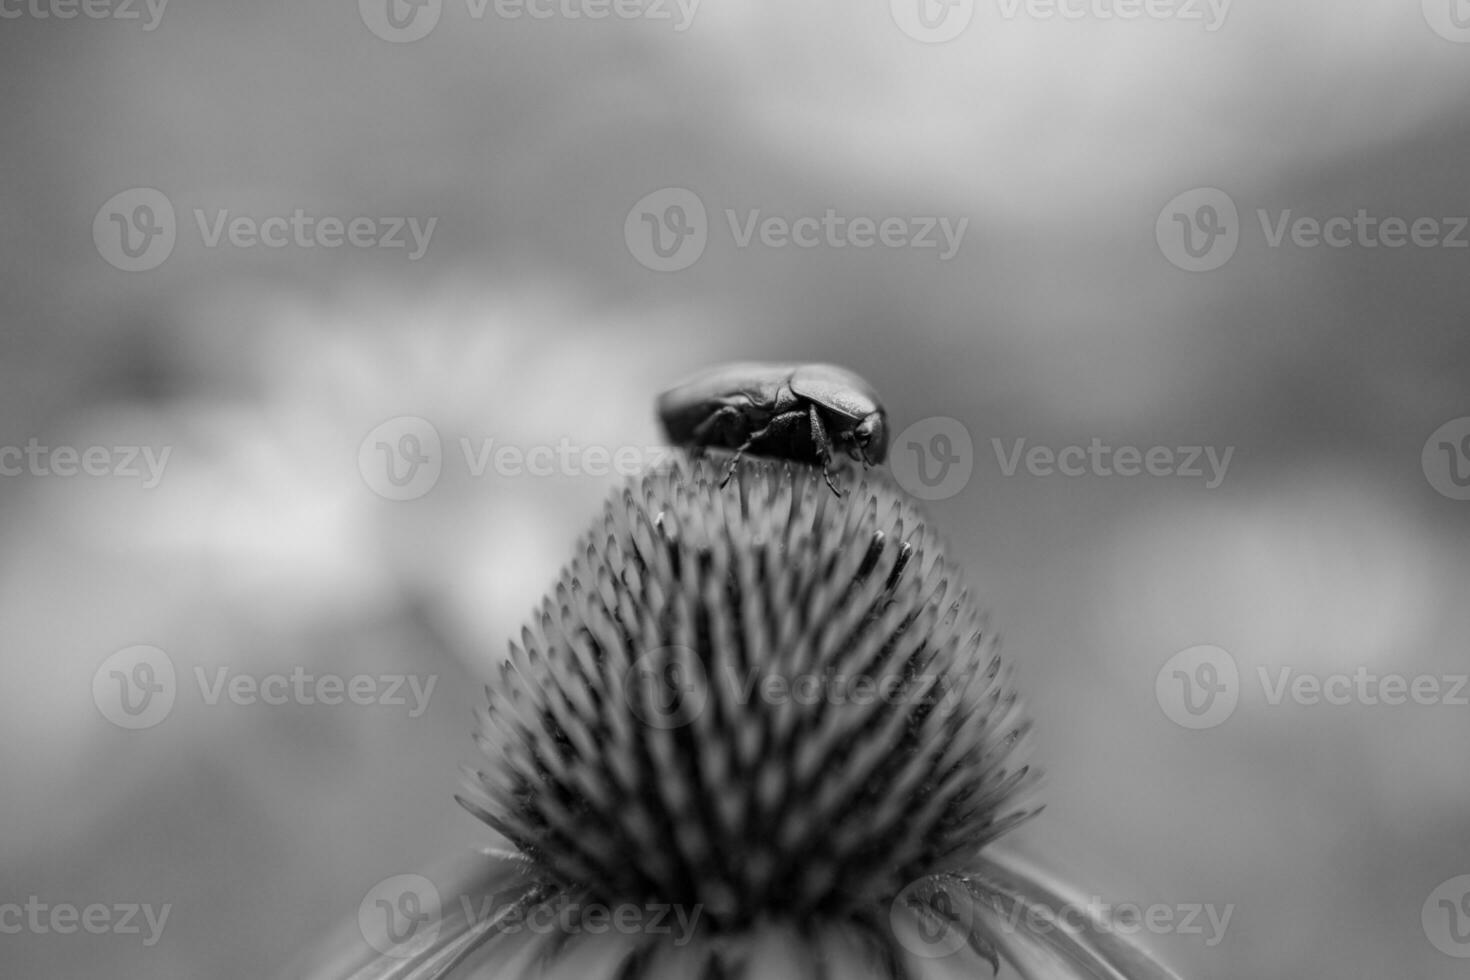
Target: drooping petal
x,y
1047,928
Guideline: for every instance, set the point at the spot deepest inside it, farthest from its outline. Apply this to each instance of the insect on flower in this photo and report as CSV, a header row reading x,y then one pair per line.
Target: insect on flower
x,y
670,813
800,412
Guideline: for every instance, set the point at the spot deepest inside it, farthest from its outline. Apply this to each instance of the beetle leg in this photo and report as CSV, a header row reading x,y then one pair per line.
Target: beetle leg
x,y
823,443
782,421
740,450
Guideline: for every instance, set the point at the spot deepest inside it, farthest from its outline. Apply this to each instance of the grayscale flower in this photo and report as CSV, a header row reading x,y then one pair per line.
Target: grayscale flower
x,y
756,731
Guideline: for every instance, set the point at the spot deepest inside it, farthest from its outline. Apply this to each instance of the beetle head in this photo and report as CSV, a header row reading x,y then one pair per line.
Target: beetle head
x,y
869,440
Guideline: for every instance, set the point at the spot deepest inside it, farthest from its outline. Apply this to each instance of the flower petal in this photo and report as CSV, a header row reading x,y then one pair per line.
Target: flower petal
x,y
476,895
1046,928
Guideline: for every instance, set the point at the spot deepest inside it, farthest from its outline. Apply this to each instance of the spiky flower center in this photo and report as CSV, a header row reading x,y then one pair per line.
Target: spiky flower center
x,y
761,699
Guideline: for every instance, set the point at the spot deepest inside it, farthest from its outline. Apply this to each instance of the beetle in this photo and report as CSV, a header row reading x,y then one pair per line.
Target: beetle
x,y
800,412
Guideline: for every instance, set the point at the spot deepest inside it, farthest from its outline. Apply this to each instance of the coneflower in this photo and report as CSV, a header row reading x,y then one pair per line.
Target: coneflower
x,y
757,731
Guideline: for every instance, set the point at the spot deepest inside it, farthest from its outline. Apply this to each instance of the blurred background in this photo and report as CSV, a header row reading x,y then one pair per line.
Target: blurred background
x,y
590,183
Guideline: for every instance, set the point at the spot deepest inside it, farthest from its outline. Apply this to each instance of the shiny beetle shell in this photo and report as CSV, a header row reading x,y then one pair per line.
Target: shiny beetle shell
x,y
801,412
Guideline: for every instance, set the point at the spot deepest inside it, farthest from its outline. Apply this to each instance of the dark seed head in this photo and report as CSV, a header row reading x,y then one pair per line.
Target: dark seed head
x,y
761,699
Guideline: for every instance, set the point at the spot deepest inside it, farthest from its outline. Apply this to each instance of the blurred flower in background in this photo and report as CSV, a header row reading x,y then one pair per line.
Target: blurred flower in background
x,y
269,374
